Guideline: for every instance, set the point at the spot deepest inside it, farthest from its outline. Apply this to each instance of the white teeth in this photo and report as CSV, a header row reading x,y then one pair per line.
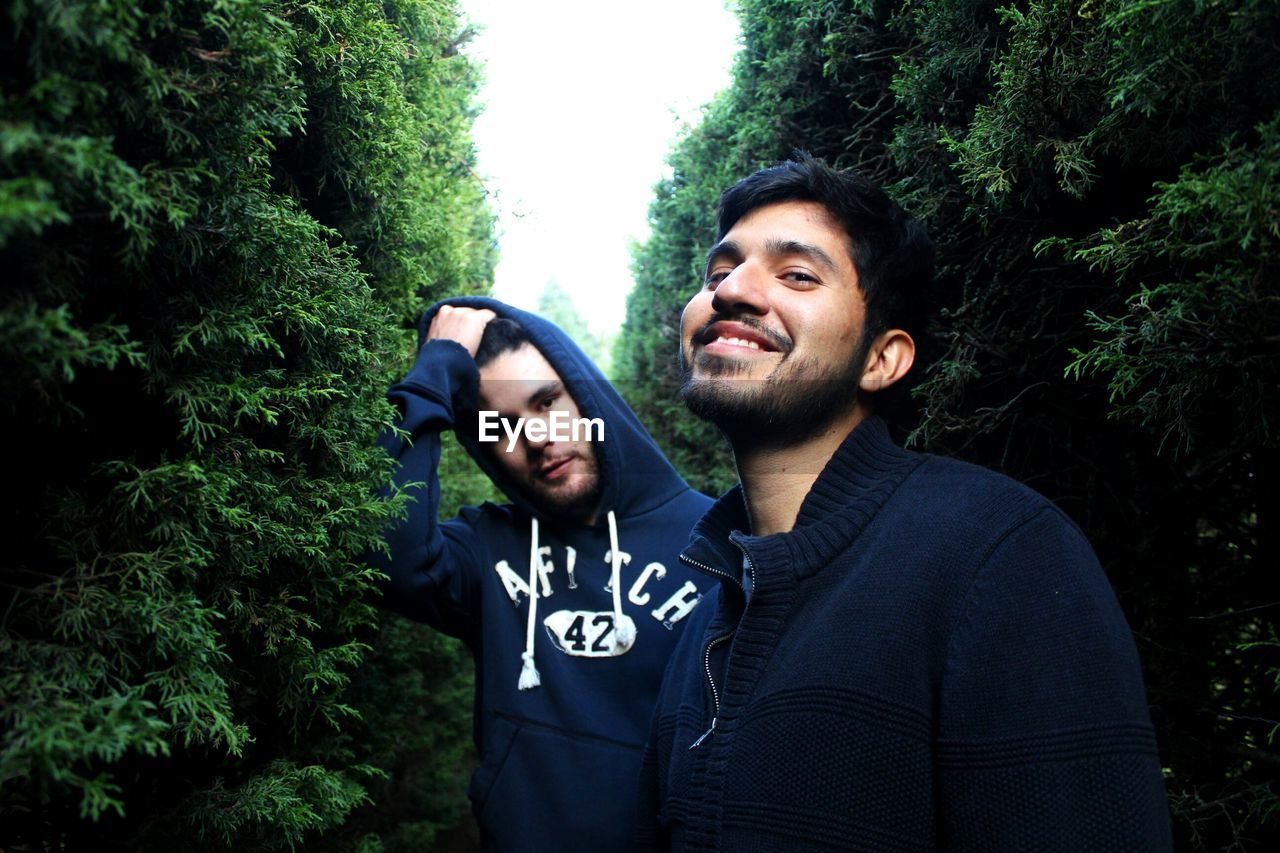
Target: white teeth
x,y
737,342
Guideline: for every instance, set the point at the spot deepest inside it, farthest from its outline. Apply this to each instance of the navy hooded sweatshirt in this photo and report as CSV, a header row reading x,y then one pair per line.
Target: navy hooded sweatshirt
x,y
559,760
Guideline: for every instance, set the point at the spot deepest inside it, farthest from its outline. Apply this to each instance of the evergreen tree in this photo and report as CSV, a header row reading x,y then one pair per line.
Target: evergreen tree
x,y
1101,179
218,222
556,305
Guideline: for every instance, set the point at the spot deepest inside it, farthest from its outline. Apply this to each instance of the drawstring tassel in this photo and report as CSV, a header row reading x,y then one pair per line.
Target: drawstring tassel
x,y
529,677
626,632
623,628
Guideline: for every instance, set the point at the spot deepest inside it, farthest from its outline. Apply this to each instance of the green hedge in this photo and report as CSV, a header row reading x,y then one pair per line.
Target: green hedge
x,y
217,222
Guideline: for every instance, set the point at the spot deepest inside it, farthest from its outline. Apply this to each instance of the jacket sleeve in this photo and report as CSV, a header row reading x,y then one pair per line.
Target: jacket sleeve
x,y
1044,732
433,566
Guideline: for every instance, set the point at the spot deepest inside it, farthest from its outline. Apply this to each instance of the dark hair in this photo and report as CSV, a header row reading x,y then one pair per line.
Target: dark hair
x,y
891,251
500,335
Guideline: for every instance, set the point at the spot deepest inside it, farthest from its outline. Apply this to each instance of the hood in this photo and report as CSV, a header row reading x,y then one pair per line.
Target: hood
x,y
635,476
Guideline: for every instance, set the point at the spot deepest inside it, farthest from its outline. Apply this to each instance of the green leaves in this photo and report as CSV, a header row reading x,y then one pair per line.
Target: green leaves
x,y
1204,316
274,808
217,220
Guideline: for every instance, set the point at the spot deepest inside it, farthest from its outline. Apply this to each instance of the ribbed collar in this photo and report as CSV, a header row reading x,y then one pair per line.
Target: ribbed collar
x,y
864,471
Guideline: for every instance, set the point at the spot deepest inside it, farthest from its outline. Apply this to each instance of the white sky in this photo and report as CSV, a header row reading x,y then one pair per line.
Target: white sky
x,y
582,100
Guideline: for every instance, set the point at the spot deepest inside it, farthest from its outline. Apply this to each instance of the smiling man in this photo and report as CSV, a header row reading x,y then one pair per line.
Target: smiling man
x,y
570,597
900,652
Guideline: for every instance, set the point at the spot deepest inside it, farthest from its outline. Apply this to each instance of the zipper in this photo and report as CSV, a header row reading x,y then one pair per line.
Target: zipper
x,y
751,567
706,658
715,694
697,743
703,567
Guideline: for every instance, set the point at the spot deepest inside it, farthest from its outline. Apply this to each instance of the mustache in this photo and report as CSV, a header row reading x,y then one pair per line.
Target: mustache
x,y
780,342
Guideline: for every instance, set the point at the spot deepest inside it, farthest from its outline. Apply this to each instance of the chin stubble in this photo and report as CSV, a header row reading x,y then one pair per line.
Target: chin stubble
x,y
793,403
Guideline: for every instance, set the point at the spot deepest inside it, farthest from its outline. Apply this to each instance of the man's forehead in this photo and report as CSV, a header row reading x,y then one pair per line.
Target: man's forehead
x,y
514,374
812,213
785,224
524,362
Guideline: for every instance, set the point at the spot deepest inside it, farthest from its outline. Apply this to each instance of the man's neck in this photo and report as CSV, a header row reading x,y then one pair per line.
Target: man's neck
x,y
776,480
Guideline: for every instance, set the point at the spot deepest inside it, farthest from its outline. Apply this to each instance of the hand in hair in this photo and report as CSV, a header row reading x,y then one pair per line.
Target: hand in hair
x,y
464,325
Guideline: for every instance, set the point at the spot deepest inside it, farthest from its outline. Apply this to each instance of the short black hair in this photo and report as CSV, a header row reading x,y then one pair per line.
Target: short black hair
x,y
891,250
500,335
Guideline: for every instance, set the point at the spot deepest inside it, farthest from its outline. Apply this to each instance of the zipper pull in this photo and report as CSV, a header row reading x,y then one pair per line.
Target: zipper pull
x,y
697,743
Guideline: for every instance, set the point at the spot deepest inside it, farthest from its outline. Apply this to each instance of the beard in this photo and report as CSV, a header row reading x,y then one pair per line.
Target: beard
x,y
800,398
572,501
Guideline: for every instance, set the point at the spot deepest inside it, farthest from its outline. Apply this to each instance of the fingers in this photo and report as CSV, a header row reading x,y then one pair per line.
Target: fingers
x,y
464,325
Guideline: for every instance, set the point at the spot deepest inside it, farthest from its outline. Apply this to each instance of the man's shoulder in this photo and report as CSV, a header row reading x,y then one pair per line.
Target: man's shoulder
x,y
689,502
948,469
682,507
973,524
945,489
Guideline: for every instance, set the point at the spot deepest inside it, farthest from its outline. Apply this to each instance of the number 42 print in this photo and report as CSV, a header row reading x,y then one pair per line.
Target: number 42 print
x,y
584,633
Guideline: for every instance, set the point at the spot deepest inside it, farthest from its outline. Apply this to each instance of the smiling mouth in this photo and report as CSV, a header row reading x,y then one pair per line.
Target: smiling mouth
x,y
738,337
735,342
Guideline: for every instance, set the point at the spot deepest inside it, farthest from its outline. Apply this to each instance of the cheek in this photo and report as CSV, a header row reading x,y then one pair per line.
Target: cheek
x,y
695,315
513,463
838,322
590,471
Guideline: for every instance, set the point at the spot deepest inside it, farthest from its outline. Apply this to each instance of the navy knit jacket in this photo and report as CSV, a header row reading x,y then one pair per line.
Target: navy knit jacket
x,y
931,659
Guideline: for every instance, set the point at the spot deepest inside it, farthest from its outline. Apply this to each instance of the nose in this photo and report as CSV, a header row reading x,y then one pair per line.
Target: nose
x,y
537,439
743,291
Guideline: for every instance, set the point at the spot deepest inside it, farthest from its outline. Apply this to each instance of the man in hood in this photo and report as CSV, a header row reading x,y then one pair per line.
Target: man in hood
x,y
901,651
569,597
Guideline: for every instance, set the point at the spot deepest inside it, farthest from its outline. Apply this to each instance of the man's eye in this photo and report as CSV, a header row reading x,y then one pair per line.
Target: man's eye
x,y
548,402
800,276
716,277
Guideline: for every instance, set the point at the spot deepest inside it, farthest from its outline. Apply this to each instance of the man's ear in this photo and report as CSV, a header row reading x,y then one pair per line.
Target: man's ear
x,y
891,356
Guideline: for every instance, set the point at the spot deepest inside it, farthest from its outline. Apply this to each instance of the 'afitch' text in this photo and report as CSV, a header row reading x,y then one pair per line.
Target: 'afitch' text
x,y
557,426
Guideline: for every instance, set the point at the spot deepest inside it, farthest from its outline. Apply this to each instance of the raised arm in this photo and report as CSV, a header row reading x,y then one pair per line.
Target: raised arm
x,y
433,565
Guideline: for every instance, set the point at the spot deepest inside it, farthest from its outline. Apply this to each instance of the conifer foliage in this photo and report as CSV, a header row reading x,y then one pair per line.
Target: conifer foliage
x,y
1101,179
217,219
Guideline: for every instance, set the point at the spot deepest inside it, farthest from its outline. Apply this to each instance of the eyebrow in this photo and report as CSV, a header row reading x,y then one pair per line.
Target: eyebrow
x,y
773,246
555,386
723,249
807,250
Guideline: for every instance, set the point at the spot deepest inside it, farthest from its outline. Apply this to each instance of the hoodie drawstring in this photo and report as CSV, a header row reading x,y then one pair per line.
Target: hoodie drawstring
x,y
624,631
529,677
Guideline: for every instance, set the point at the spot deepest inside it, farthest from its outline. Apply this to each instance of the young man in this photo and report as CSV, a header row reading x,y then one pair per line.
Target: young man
x,y
902,652
570,597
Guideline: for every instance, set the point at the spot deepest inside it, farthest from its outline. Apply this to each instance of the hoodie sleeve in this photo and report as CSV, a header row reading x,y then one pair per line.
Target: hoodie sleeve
x,y
432,565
